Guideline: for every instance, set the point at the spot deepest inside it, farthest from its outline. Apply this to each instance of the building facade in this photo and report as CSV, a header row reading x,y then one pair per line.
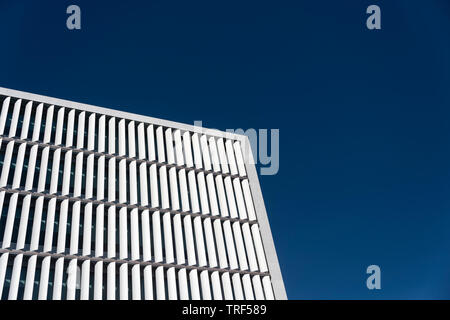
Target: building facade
x,y
101,204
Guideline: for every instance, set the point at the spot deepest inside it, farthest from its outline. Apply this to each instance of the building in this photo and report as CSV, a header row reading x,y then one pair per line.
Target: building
x,y
101,204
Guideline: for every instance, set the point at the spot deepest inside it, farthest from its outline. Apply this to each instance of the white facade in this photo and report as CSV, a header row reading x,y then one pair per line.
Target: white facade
x,y
101,204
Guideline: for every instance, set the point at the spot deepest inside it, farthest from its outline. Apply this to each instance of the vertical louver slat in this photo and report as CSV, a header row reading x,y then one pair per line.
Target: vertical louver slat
x,y
70,127
209,236
248,201
240,199
4,115
169,146
248,289
216,287
15,118
178,148
58,277
148,283
146,237
48,124
29,279
3,263
237,287
212,194
136,282
141,141
239,159
171,284
231,158
214,154
218,231
222,155
230,245
183,286
131,140
187,150
26,120
160,145
193,280
203,194
221,195
37,122
7,164
197,151
267,285
226,283
205,285
123,284
259,248
73,274
205,152
43,282
98,282
151,143
259,293
85,275
15,277
10,221
230,196
111,281
160,287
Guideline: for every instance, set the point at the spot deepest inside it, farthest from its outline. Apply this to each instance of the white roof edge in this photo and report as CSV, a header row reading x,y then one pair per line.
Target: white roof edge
x,y
119,114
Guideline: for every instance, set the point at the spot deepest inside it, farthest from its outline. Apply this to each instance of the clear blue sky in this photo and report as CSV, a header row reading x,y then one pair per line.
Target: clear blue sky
x,y
363,115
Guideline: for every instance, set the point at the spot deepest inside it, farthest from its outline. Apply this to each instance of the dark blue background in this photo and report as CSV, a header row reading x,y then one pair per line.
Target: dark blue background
x,y
363,115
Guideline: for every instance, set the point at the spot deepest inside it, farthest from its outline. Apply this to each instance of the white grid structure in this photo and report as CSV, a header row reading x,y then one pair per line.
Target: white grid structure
x,y
101,204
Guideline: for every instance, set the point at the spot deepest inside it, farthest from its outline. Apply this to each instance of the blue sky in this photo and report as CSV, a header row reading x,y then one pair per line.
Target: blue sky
x,y
363,115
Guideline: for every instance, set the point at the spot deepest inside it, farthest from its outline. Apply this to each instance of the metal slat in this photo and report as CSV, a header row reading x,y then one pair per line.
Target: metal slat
x,y
226,285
